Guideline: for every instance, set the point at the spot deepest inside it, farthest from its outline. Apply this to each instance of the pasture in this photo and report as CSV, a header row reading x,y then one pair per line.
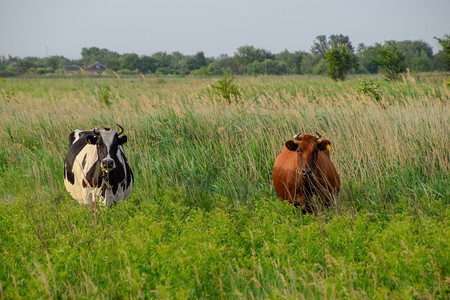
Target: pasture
x,y
203,220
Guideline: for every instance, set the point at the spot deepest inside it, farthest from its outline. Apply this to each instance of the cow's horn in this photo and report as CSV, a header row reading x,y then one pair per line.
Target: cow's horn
x,y
297,136
319,135
121,129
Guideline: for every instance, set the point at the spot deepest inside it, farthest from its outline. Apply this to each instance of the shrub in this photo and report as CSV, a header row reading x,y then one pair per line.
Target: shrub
x,y
225,87
370,89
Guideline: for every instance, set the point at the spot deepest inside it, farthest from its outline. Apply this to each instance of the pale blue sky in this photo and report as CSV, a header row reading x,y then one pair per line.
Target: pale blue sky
x,y
61,27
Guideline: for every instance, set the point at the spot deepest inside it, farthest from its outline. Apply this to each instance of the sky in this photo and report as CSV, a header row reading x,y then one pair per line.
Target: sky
x,y
63,27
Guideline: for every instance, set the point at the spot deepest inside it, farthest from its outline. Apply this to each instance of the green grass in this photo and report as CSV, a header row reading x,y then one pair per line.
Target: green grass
x,y
203,219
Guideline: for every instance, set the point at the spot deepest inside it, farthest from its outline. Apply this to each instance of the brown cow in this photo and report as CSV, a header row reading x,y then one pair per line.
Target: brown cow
x,y
304,169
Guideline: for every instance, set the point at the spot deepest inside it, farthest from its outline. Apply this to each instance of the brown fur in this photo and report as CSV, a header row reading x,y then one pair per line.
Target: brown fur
x,y
291,184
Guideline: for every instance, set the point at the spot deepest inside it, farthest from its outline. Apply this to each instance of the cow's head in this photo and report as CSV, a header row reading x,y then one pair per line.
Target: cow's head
x,y
107,141
308,147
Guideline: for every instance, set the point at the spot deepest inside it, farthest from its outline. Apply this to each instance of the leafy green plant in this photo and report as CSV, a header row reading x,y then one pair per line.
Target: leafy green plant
x,y
225,87
104,95
370,89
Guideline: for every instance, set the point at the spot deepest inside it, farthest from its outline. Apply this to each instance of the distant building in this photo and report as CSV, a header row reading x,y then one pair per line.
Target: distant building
x,y
96,67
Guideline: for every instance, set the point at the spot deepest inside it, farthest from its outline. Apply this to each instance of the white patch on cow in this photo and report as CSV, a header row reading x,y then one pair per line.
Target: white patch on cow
x,y
77,134
108,139
81,194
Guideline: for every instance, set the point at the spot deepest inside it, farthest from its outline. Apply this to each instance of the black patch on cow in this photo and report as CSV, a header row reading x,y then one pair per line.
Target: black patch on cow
x,y
93,176
69,176
129,173
84,161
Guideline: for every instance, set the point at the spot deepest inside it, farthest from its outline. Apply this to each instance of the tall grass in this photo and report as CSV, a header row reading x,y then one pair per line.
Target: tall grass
x,y
203,219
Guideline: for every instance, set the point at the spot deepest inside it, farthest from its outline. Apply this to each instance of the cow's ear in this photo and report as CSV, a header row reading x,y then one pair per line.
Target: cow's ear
x,y
92,140
324,145
291,145
123,139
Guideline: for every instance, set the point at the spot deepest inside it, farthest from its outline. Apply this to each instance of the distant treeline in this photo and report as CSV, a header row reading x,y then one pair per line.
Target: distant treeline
x,y
418,55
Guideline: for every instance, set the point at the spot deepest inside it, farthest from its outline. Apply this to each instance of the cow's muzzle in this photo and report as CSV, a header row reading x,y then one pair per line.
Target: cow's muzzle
x,y
107,165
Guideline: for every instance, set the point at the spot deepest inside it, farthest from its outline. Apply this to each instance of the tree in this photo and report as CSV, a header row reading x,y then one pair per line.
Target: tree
x,y
366,56
55,62
309,61
445,52
147,64
321,45
390,59
340,39
248,54
291,61
340,60
423,63
255,68
130,61
197,61
93,54
214,69
24,64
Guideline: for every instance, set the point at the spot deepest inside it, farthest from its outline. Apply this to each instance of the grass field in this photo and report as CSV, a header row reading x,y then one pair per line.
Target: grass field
x,y
203,220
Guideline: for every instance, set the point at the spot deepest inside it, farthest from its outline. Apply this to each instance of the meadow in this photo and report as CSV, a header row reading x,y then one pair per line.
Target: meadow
x,y
203,220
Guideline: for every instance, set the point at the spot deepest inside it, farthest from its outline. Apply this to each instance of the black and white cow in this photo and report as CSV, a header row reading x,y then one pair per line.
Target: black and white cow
x,y
96,167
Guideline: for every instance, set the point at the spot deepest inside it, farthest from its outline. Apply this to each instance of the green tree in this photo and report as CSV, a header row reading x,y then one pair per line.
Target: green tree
x,y
321,44
423,63
24,64
255,68
130,61
55,62
309,61
339,39
197,61
366,56
340,60
214,69
444,54
94,54
390,60
248,54
291,61
147,64
320,68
